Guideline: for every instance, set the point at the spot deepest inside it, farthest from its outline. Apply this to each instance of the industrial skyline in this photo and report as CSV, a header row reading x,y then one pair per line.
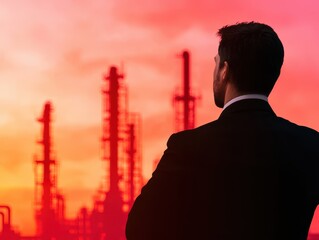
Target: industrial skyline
x,y
57,51
121,152
123,180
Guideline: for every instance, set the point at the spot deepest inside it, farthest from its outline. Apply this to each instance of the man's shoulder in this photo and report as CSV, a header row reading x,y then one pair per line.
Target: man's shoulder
x,y
277,124
195,131
287,125
191,136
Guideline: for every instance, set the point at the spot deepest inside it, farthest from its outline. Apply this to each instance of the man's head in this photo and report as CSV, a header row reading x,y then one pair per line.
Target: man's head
x,y
250,56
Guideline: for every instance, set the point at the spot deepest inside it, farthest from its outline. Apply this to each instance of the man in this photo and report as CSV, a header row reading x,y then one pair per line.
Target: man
x,y
249,175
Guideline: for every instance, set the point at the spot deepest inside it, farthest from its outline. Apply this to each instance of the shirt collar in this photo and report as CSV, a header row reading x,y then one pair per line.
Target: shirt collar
x,y
246,96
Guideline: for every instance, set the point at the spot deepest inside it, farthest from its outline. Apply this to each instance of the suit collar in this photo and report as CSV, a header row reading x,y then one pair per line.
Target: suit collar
x,y
247,105
246,96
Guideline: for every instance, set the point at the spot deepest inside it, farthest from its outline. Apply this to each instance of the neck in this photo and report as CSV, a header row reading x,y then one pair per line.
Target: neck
x,y
231,93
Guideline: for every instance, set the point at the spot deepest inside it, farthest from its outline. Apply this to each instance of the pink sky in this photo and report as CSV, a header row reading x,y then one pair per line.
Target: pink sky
x,y
59,51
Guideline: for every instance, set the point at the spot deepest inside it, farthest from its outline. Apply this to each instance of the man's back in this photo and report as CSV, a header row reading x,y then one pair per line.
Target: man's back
x,y
248,175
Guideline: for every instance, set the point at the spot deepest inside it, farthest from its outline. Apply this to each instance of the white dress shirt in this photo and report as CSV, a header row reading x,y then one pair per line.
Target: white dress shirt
x,y
246,96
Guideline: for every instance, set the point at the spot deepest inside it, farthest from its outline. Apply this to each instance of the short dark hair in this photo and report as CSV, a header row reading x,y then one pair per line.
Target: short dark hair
x,y
254,54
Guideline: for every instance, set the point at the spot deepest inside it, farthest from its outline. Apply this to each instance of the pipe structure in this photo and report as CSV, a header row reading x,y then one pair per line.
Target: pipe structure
x,y
8,209
2,222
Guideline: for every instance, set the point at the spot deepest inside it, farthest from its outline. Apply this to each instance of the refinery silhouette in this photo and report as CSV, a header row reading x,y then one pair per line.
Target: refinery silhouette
x,y
121,148
122,153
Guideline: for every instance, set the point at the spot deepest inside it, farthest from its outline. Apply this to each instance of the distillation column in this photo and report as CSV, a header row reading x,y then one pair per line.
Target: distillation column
x,y
113,215
134,174
185,102
49,203
188,120
131,152
44,181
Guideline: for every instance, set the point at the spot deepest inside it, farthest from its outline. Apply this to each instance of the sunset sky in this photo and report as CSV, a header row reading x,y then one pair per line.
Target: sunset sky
x,y
59,51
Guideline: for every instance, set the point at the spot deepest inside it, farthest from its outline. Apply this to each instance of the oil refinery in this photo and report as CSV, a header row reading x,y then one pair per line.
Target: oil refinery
x,y
122,155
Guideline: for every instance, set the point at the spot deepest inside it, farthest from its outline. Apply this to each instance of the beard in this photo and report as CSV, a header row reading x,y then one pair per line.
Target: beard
x,y
219,91
219,102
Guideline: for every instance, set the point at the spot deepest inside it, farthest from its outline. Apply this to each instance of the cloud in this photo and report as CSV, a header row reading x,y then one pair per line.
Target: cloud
x,y
172,18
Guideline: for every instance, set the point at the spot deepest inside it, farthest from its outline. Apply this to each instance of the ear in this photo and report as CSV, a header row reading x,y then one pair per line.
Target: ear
x,y
225,71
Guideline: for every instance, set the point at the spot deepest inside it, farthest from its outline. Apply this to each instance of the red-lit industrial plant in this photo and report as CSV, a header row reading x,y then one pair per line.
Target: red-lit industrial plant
x,y
122,155
120,142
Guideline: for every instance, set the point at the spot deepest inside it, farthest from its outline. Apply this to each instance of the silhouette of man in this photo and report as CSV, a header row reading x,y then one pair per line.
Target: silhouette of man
x,y
249,175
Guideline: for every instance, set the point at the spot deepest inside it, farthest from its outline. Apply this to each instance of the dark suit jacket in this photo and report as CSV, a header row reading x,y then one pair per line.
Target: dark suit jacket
x,y
249,175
